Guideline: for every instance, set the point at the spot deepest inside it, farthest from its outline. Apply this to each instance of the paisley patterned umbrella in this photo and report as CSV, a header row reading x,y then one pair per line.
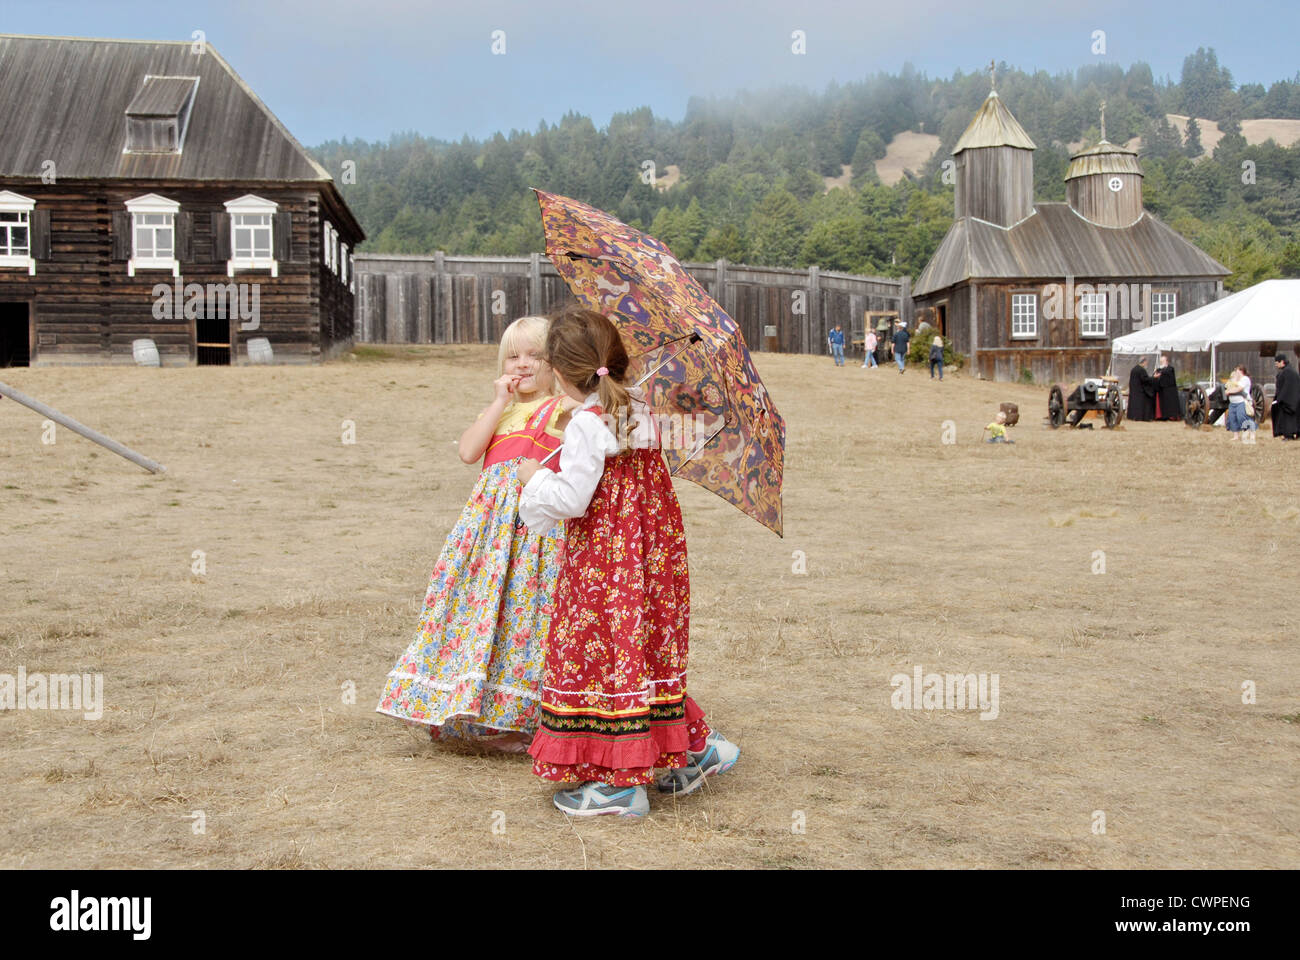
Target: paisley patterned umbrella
x,y
724,432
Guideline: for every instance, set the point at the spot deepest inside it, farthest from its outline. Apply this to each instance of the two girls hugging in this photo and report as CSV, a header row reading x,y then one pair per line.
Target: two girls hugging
x,y
557,617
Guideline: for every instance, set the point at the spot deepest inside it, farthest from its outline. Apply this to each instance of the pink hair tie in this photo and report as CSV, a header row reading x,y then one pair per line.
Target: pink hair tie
x,y
602,372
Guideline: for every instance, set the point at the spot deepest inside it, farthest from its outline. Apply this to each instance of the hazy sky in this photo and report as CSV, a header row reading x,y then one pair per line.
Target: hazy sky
x,y
368,68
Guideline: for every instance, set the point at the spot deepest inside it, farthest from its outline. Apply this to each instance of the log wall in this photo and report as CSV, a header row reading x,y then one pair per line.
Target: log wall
x,y
1059,352
85,309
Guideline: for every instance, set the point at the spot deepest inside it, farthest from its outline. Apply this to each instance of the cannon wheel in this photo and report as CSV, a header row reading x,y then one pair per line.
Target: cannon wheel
x,y
1114,410
1056,406
1257,398
1196,404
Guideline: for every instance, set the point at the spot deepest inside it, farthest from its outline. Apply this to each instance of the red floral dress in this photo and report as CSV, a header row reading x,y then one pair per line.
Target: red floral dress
x,y
614,703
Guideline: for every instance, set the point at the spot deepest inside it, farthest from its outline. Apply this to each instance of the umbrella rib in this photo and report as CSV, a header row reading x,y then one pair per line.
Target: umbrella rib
x,y
694,338
700,446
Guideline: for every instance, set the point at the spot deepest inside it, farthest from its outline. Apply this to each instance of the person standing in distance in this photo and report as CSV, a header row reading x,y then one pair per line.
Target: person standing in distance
x,y
936,356
1286,401
869,345
900,345
835,340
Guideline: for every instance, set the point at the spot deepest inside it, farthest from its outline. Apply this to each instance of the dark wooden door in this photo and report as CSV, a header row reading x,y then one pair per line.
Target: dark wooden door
x,y
212,341
15,335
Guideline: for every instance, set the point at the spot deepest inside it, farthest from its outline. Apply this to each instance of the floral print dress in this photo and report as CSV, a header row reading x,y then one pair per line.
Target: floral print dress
x,y
475,663
614,703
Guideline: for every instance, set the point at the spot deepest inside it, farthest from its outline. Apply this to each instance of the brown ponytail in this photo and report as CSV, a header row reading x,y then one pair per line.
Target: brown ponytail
x,y
580,342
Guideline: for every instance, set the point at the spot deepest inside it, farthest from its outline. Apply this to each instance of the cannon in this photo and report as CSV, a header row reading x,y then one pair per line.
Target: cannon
x,y
1207,402
1094,395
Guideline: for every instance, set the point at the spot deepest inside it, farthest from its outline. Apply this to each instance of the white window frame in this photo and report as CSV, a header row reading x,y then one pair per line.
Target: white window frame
x,y
352,274
23,206
1088,302
343,264
334,251
251,206
1030,331
152,205
1173,304
327,229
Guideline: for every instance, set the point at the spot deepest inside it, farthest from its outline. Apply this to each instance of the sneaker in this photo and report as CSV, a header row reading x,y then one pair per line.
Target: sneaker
x,y
594,799
718,756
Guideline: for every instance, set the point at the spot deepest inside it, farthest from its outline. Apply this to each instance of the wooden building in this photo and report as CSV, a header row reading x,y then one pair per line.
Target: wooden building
x,y
1044,287
146,192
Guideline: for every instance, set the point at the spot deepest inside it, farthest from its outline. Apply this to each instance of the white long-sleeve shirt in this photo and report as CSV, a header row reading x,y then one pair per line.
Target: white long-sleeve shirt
x,y
549,497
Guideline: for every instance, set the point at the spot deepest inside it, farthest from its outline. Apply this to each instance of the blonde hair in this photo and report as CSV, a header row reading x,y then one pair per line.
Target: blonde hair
x,y
531,330
580,342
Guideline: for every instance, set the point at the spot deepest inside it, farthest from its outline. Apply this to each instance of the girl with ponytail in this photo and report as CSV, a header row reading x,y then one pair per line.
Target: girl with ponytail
x,y
614,704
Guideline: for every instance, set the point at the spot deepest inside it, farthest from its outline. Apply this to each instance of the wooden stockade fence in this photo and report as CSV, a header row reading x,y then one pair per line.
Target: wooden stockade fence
x,y
471,299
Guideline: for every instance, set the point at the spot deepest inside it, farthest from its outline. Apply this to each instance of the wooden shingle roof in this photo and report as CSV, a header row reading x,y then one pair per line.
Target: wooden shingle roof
x,y
993,126
1103,158
65,99
1055,243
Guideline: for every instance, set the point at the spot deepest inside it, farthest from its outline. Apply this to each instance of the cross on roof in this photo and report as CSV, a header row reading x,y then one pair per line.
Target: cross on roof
x,y
993,75
1103,120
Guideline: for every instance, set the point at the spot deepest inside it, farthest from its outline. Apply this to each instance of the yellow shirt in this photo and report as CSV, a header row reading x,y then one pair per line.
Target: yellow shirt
x,y
516,414
997,429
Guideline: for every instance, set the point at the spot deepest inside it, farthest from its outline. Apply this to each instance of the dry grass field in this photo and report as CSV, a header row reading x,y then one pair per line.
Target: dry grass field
x,y
1119,692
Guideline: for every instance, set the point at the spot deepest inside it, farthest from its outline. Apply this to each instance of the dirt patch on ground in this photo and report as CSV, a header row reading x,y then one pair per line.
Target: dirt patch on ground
x,y
1285,132
846,174
671,177
907,151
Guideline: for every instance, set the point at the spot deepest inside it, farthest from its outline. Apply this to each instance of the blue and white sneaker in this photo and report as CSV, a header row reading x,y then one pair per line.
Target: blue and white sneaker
x,y
718,756
594,799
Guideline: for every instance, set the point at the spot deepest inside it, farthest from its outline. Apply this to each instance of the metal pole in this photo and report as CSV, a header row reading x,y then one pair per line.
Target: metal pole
x,y
85,431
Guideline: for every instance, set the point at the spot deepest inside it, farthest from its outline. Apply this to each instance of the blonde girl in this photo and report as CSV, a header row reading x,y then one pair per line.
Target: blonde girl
x,y
473,668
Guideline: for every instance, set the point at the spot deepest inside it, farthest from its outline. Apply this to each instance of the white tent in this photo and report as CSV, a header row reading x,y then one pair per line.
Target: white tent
x,y
1268,312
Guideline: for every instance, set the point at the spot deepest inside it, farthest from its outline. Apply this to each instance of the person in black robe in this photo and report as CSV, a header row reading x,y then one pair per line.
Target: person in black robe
x,y
1167,405
1286,401
1141,393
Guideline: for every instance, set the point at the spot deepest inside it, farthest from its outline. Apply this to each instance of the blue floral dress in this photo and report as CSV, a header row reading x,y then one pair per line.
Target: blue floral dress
x,y
474,666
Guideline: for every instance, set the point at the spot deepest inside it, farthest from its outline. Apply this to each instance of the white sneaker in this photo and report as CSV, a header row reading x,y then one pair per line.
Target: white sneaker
x,y
594,799
718,756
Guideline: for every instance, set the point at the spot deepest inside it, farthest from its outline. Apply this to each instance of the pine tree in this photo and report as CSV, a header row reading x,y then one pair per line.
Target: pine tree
x,y
1290,260
776,229
691,228
870,148
724,243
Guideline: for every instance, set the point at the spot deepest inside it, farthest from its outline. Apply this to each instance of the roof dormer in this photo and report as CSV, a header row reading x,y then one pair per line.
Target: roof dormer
x,y
158,115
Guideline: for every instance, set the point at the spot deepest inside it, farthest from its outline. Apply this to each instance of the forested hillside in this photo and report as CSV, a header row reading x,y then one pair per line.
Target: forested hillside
x,y
752,168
